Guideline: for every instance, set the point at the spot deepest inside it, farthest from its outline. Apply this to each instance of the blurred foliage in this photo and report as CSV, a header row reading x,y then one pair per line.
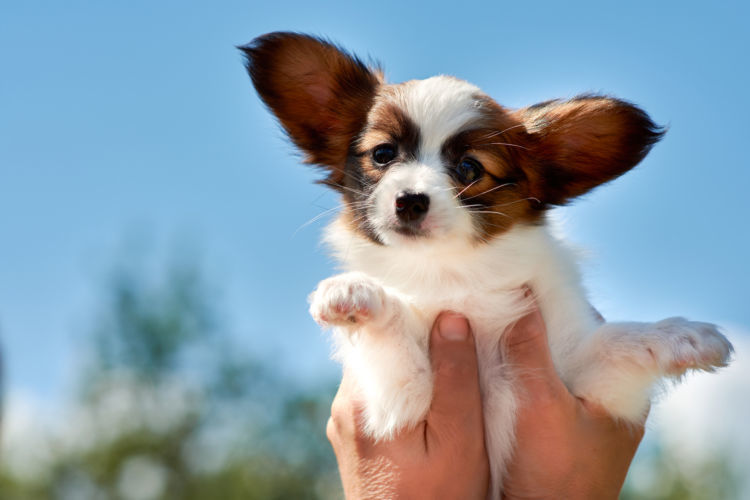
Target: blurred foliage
x,y
658,474
170,408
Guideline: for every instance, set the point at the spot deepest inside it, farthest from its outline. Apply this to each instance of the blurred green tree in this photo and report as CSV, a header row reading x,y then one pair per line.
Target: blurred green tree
x,y
170,408
658,474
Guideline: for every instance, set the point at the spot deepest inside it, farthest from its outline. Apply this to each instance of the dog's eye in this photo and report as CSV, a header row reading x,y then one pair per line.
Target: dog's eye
x,y
383,154
469,170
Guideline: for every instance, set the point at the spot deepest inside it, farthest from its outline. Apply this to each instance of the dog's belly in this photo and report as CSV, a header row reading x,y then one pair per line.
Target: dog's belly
x,y
490,313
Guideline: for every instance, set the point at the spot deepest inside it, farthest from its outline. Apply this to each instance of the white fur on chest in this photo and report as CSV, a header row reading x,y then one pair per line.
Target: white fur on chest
x,y
483,282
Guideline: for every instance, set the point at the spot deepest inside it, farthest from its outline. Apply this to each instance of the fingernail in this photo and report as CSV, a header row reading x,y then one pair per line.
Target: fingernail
x,y
454,327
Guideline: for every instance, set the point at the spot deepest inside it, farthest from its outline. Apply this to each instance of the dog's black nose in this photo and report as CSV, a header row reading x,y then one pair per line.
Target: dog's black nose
x,y
412,207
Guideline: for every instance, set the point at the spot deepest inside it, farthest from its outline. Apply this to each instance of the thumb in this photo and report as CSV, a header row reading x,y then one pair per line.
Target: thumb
x,y
456,399
525,346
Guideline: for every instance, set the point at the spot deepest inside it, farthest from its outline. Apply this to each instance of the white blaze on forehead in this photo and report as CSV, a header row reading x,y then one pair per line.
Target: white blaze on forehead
x,y
440,106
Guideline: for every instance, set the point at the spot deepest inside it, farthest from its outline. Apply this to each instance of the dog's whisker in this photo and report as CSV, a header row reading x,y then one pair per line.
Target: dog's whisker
x,y
464,189
489,212
516,201
505,144
356,178
347,188
484,223
495,134
314,219
358,219
490,190
354,204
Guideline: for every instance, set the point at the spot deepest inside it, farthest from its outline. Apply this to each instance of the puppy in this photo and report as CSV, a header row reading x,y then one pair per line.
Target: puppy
x,y
445,195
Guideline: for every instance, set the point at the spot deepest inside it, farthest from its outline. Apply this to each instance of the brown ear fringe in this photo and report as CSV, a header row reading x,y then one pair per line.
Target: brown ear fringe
x,y
320,93
582,143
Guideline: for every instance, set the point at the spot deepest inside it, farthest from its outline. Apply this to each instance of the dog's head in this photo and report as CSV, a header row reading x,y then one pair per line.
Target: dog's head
x,y
437,158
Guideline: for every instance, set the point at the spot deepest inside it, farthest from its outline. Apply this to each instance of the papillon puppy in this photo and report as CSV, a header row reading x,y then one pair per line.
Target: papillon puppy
x,y
445,195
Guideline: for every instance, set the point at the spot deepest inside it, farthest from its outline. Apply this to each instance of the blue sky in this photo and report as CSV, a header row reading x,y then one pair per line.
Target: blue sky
x,y
135,122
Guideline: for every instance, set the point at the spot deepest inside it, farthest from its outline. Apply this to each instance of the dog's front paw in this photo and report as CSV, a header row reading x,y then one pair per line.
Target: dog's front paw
x,y
685,345
348,300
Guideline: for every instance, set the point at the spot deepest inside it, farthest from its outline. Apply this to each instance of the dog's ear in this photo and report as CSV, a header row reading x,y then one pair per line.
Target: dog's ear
x,y
320,94
576,145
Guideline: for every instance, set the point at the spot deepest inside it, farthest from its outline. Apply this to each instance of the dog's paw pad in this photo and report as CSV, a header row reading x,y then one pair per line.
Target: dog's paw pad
x,y
348,300
688,345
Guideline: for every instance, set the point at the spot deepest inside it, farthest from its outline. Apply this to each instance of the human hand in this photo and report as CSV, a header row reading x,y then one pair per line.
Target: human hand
x,y
566,447
442,457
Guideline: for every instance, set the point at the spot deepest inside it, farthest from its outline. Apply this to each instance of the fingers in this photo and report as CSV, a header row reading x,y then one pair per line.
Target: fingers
x,y
456,400
525,346
345,415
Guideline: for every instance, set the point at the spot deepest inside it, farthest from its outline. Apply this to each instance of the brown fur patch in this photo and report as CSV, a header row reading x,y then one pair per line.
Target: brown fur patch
x,y
579,144
387,124
320,94
501,196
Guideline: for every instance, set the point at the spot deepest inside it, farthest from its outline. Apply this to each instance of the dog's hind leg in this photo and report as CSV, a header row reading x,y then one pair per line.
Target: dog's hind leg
x,y
619,365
